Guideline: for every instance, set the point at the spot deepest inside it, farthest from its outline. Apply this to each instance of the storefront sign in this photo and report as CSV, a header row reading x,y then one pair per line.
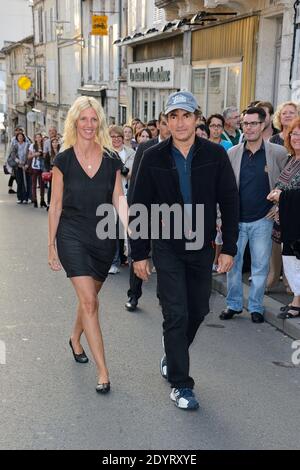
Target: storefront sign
x,y
158,74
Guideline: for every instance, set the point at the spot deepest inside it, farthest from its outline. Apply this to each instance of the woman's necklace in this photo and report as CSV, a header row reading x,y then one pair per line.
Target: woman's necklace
x,y
89,166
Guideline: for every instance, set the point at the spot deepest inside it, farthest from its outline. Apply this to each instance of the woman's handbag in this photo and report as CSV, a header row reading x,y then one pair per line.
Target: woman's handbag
x,y
47,176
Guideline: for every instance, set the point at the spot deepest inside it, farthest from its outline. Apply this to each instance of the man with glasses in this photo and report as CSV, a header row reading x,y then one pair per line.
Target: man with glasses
x,y
216,123
232,132
256,164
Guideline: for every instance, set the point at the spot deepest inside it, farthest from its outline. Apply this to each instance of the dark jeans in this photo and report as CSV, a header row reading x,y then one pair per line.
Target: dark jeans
x,y
23,185
37,177
184,288
135,285
11,181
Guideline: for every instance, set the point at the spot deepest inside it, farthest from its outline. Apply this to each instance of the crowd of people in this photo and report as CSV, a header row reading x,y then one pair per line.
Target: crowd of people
x,y
243,166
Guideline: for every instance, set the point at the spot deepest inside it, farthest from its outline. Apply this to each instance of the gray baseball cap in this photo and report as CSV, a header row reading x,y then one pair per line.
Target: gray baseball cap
x,y
181,100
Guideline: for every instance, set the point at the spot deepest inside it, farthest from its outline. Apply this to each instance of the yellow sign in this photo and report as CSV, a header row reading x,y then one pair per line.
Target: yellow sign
x,y
99,25
24,83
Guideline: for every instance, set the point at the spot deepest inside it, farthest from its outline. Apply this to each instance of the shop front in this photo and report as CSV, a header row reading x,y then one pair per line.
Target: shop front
x,y
224,64
151,84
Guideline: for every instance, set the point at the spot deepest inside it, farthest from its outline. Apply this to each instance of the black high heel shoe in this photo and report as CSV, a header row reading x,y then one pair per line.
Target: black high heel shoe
x,y
82,358
103,388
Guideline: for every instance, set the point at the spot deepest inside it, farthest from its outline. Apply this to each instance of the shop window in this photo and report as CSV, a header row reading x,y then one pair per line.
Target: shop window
x,y
153,110
216,90
217,87
145,117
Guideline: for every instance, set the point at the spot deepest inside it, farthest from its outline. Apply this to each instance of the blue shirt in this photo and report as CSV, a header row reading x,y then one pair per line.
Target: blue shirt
x,y
183,166
226,145
254,186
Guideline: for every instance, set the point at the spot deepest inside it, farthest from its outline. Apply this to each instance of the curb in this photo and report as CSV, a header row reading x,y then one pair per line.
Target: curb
x,y
290,327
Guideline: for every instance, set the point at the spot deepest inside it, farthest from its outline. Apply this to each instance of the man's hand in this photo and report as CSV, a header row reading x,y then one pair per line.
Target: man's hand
x,y
142,269
225,263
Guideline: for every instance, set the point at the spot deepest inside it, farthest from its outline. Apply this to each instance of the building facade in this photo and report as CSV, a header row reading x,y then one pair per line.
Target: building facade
x,y
19,59
253,53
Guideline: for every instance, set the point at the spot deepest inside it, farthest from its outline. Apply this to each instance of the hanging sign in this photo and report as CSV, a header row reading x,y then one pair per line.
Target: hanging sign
x,y
99,25
24,83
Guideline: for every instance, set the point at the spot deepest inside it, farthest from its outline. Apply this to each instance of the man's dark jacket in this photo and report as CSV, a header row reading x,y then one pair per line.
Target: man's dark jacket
x,y
212,180
136,163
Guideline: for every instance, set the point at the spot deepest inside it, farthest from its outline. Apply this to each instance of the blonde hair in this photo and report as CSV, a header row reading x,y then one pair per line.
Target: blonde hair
x,y
277,119
70,132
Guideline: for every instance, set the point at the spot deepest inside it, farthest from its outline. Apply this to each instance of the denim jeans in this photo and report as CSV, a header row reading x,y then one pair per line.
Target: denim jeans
x,y
258,234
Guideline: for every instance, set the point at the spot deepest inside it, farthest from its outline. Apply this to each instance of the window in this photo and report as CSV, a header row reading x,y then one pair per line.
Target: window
x,y
145,115
217,87
40,84
40,25
51,88
159,15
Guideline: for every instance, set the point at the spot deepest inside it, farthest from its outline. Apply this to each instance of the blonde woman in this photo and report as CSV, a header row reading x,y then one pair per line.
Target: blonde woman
x,y
85,175
285,113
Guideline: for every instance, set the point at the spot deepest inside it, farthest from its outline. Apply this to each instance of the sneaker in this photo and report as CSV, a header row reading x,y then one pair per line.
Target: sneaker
x,y
163,367
114,270
11,191
19,202
184,398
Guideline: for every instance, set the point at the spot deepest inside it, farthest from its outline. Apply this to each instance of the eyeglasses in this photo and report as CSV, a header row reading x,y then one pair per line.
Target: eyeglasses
x,y
251,124
216,126
116,137
294,134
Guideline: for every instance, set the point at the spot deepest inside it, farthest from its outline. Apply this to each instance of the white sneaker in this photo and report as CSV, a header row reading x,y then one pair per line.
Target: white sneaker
x,y
113,270
184,398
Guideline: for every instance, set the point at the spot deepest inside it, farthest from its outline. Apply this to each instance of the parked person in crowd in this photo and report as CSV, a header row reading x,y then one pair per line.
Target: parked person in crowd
x,y
285,113
143,135
202,131
184,273
269,130
152,126
136,125
126,154
128,136
49,162
215,124
85,175
52,134
17,131
232,132
37,165
19,161
135,283
257,165
286,226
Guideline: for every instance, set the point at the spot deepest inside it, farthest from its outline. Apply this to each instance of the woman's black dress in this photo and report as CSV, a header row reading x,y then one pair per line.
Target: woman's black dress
x,y
80,251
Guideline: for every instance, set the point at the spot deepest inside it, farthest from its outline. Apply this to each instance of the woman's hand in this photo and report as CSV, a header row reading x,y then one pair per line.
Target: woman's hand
x,y
274,195
53,261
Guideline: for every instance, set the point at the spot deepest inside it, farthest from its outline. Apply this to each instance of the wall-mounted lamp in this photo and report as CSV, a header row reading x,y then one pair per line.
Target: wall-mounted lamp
x,y
59,31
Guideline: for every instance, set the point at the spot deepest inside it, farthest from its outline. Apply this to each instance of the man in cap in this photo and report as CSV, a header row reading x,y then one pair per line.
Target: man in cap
x,y
192,174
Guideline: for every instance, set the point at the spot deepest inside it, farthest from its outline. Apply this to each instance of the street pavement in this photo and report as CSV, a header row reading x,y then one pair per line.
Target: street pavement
x,y
47,401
